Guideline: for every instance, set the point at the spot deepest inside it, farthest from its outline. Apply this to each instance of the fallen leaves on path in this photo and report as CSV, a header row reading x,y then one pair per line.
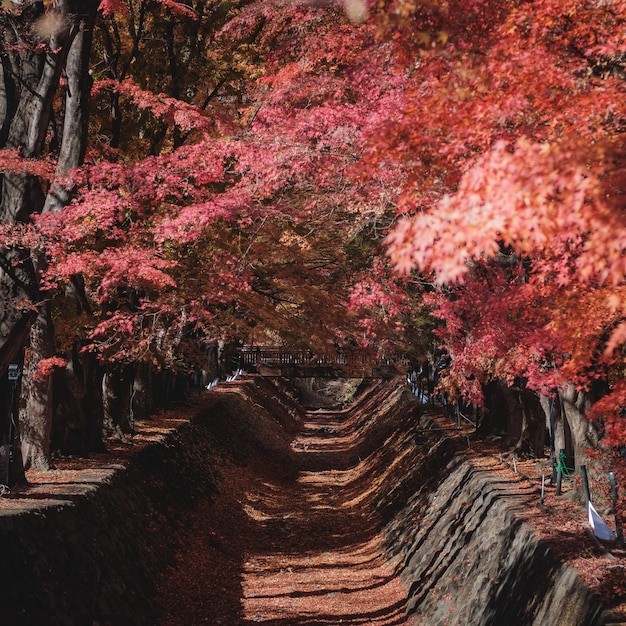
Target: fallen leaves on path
x,y
285,550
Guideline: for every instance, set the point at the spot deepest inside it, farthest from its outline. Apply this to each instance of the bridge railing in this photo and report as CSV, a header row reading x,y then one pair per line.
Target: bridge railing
x,y
272,355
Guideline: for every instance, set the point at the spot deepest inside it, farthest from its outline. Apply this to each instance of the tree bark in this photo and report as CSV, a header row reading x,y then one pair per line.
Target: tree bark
x,y
76,117
142,401
532,436
562,431
494,421
21,71
36,418
585,435
515,413
22,194
8,96
116,394
78,411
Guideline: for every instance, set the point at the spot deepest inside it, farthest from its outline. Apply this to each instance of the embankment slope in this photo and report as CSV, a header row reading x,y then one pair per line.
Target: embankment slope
x,y
101,542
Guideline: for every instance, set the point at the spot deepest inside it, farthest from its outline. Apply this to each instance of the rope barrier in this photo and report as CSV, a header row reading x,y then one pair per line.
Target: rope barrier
x,y
562,466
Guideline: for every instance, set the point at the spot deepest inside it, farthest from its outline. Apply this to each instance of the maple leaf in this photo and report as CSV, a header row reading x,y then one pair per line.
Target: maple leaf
x,y
178,8
616,339
170,110
112,7
45,367
12,161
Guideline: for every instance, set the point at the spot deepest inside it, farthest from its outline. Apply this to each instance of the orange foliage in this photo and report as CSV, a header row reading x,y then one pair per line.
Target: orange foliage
x,y
513,146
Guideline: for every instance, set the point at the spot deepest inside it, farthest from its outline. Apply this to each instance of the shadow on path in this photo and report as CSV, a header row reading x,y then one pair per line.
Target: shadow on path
x,y
288,546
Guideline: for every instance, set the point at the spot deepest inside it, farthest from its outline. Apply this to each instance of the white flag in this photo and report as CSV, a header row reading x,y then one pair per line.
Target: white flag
x,y
600,529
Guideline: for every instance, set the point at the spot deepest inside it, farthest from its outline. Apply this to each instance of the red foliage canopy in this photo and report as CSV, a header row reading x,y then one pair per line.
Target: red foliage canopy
x,y
515,197
488,134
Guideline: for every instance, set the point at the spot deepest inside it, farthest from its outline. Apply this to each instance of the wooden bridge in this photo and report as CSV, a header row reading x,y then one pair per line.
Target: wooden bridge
x,y
294,362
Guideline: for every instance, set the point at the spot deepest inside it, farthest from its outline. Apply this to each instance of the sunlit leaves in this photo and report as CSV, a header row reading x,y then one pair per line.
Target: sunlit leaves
x,y
526,196
11,161
111,7
170,110
513,147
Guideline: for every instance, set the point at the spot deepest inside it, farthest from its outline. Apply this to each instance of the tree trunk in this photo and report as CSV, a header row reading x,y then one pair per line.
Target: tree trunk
x,y
116,394
21,70
513,414
142,401
8,97
574,405
517,414
14,323
532,436
70,47
562,432
22,194
76,116
36,418
494,421
78,414
89,373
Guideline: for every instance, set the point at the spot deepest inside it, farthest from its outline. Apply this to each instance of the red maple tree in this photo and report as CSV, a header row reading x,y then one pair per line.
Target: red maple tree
x,y
512,135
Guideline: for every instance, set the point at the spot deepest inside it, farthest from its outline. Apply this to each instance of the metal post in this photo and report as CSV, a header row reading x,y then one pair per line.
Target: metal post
x,y
13,373
618,527
559,480
10,459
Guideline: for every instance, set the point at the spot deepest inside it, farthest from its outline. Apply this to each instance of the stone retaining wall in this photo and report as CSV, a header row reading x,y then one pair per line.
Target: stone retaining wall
x,y
466,557
92,560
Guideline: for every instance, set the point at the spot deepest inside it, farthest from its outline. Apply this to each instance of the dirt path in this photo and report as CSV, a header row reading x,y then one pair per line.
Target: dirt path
x,y
287,546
